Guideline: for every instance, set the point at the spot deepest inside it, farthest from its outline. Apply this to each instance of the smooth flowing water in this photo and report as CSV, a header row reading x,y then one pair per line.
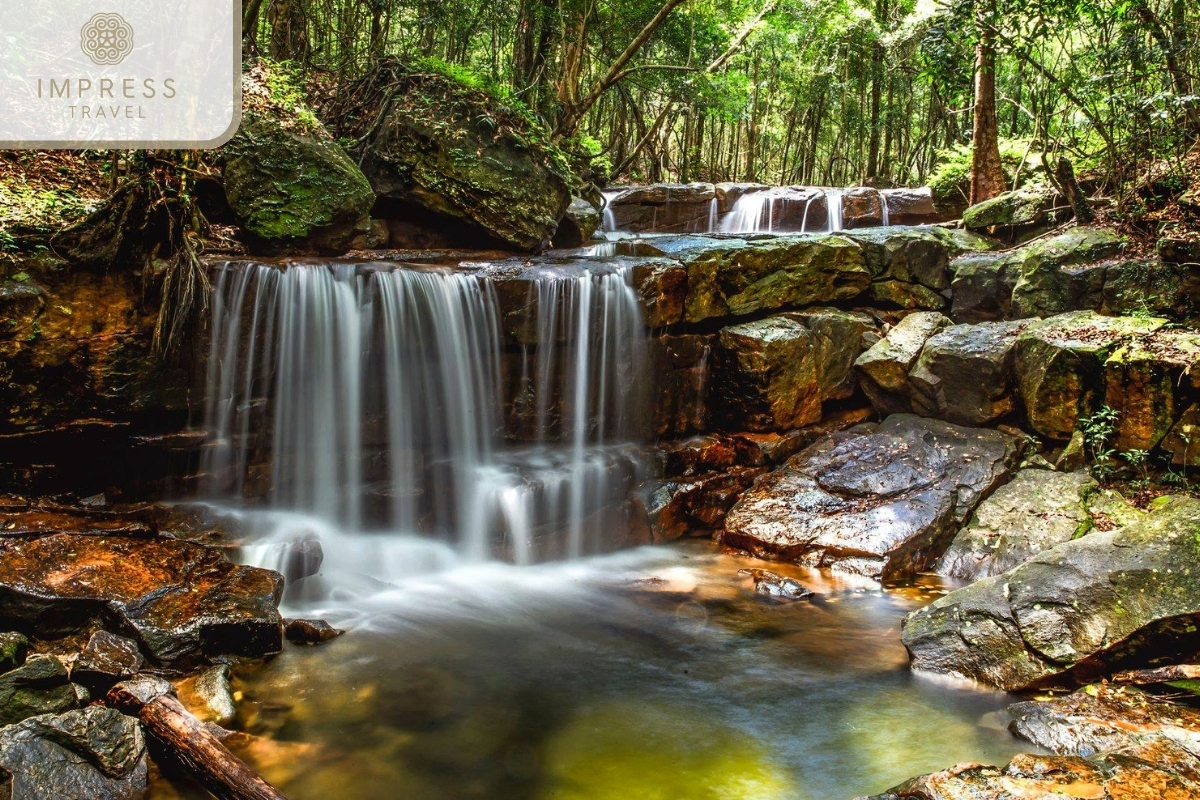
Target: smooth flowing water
x,y
654,673
376,398
781,209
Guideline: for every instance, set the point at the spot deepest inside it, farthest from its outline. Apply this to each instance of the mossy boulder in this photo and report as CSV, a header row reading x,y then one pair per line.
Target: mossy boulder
x,y
1060,366
294,188
1037,510
1061,273
740,277
1147,381
767,377
456,158
578,225
965,373
883,369
1123,599
1022,208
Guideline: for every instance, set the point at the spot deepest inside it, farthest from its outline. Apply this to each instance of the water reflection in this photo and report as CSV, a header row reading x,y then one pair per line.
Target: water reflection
x,y
652,674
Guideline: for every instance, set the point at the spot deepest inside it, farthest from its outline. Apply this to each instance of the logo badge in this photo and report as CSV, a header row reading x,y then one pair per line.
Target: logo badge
x,y
106,39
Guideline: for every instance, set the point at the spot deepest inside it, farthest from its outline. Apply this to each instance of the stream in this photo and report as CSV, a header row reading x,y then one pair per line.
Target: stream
x,y
650,673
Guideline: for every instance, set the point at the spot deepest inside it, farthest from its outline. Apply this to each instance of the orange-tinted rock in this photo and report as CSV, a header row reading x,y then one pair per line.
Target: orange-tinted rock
x,y
179,601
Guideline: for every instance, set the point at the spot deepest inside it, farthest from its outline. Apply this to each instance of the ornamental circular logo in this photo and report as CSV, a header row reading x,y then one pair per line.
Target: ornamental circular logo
x,y
106,39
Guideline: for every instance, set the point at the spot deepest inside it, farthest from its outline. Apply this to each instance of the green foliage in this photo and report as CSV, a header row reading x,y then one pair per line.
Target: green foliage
x,y
285,82
952,176
1098,431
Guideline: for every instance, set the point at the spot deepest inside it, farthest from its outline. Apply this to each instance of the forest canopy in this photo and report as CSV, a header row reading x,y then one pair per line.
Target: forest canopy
x,y
790,91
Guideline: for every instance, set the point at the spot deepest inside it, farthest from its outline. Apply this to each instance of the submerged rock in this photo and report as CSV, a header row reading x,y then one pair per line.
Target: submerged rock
x,y
310,631
182,602
774,585
209,695
94,754
1125,598
1037,510
882,502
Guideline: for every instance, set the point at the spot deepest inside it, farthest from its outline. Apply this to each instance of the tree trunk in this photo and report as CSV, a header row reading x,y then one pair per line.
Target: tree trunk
x,y
188,741
289,30
987,171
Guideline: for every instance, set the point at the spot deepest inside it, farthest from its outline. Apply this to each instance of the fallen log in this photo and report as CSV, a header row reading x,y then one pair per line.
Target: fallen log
x,y
1147,677
192,744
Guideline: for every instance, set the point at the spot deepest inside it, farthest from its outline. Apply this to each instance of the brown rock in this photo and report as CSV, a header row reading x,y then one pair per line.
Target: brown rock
x,y
310,631
182,602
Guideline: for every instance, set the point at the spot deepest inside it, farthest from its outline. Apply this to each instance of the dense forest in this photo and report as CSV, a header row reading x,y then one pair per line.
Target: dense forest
x,y
795,92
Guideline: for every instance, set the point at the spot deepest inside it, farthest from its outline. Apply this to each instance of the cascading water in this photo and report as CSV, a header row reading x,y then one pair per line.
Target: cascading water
x,y
883,210
833,210
374,398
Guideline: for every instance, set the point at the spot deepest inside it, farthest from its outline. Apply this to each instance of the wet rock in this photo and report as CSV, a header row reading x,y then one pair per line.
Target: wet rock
x,y
1029,776
38,522
1027,208
13,649
837,339
310,631
580,221
882,502
965,373
698,505
664,208
105,660
180,601
774,585
513,189
1073,455
739,276
682,369
767,378
1179,251
1147,379
662,291
302,559
94,754
294,187
906,295
40,686
917,255
1060,366
699,455
883,369
1037,510
1121,599
982,285
912,206
1061,273
209,695
1107,719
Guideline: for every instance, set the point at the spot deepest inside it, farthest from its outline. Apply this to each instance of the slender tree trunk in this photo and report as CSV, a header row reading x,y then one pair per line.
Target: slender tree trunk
x,y
987,171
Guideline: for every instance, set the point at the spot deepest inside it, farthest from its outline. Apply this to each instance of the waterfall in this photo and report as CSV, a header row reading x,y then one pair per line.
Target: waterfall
x,y
608,219
833,208
751,213
375,398
713,212
883,210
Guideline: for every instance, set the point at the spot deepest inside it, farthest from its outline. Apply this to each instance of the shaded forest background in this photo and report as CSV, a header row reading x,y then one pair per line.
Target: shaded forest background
x,y
792,91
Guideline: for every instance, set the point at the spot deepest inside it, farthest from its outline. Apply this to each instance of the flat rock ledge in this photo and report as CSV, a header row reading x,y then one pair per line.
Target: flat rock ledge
x,y
182,603
882,501
1123,599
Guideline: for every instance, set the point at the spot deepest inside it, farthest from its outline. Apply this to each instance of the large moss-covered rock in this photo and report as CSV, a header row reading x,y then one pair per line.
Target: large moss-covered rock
x,y
965,373
1111,600
740,277
578,225
1061,273
1060,366
883,369
1020,209
292,187
881,501
1037,510
457,158
981,286
838,339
